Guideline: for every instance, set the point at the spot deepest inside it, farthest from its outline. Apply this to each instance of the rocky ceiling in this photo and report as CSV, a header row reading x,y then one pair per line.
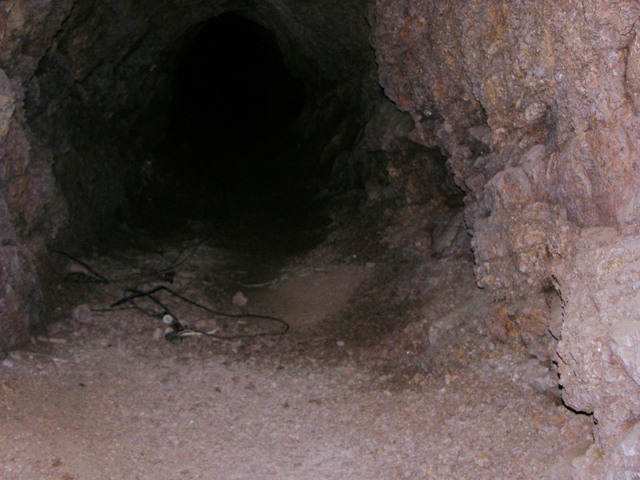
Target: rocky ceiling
x,y
532,107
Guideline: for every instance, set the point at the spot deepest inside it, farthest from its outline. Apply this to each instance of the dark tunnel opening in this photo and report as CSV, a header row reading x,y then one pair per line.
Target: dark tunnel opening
x,y
232,81
229,157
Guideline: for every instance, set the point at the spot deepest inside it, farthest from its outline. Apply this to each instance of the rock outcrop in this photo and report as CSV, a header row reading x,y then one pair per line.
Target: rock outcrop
x,y
536,107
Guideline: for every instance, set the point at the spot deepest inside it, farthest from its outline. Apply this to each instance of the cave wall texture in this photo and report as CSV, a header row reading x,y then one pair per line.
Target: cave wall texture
x,y
534,106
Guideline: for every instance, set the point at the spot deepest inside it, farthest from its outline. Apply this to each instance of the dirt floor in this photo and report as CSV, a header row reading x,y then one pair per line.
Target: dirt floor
x,y
385,371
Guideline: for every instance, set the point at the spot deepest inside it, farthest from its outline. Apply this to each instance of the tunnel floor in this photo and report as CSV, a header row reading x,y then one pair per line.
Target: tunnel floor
x,y
384,372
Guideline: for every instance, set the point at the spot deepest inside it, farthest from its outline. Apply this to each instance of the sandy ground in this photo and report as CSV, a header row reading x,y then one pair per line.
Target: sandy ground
x,y
384,373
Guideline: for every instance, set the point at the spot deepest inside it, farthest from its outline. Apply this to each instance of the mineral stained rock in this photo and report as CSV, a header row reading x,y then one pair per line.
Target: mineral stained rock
x,y
536,107
599,360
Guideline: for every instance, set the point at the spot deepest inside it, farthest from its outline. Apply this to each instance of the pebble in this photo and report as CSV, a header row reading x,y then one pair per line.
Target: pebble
x,y
239,299
158,334
340,343
53,340
82,314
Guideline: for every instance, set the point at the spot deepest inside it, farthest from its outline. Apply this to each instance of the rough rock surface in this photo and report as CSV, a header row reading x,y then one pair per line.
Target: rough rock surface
x,y
31,210
539,121
599,362
529,115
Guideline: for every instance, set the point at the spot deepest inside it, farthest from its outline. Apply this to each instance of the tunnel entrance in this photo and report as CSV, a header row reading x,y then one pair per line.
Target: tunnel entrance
x,y
229,156
370,354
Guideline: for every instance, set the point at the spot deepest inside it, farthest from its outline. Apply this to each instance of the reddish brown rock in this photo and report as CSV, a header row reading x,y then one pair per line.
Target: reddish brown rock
x,y
540,124
598,354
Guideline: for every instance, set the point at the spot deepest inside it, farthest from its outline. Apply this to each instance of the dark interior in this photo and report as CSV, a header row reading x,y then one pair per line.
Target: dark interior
x,y
230,152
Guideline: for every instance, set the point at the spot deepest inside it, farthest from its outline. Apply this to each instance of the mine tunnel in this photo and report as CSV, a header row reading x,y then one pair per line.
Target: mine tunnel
x,y
229,145
368,239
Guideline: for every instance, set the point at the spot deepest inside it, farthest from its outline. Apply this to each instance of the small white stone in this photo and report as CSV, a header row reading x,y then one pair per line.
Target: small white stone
x,y
158,334
239,299
340,343
82,314
534,112
631,441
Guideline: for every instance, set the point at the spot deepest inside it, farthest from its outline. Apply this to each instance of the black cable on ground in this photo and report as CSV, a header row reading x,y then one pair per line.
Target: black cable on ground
x,y
179,260
168,272
180,330
94,276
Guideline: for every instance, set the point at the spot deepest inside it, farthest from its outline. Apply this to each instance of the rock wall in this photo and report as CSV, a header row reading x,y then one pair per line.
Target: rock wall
x,y
536,107
31,210
598,357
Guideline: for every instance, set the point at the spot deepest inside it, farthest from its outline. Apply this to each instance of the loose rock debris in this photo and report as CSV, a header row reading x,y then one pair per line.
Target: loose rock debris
x,y
344,394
